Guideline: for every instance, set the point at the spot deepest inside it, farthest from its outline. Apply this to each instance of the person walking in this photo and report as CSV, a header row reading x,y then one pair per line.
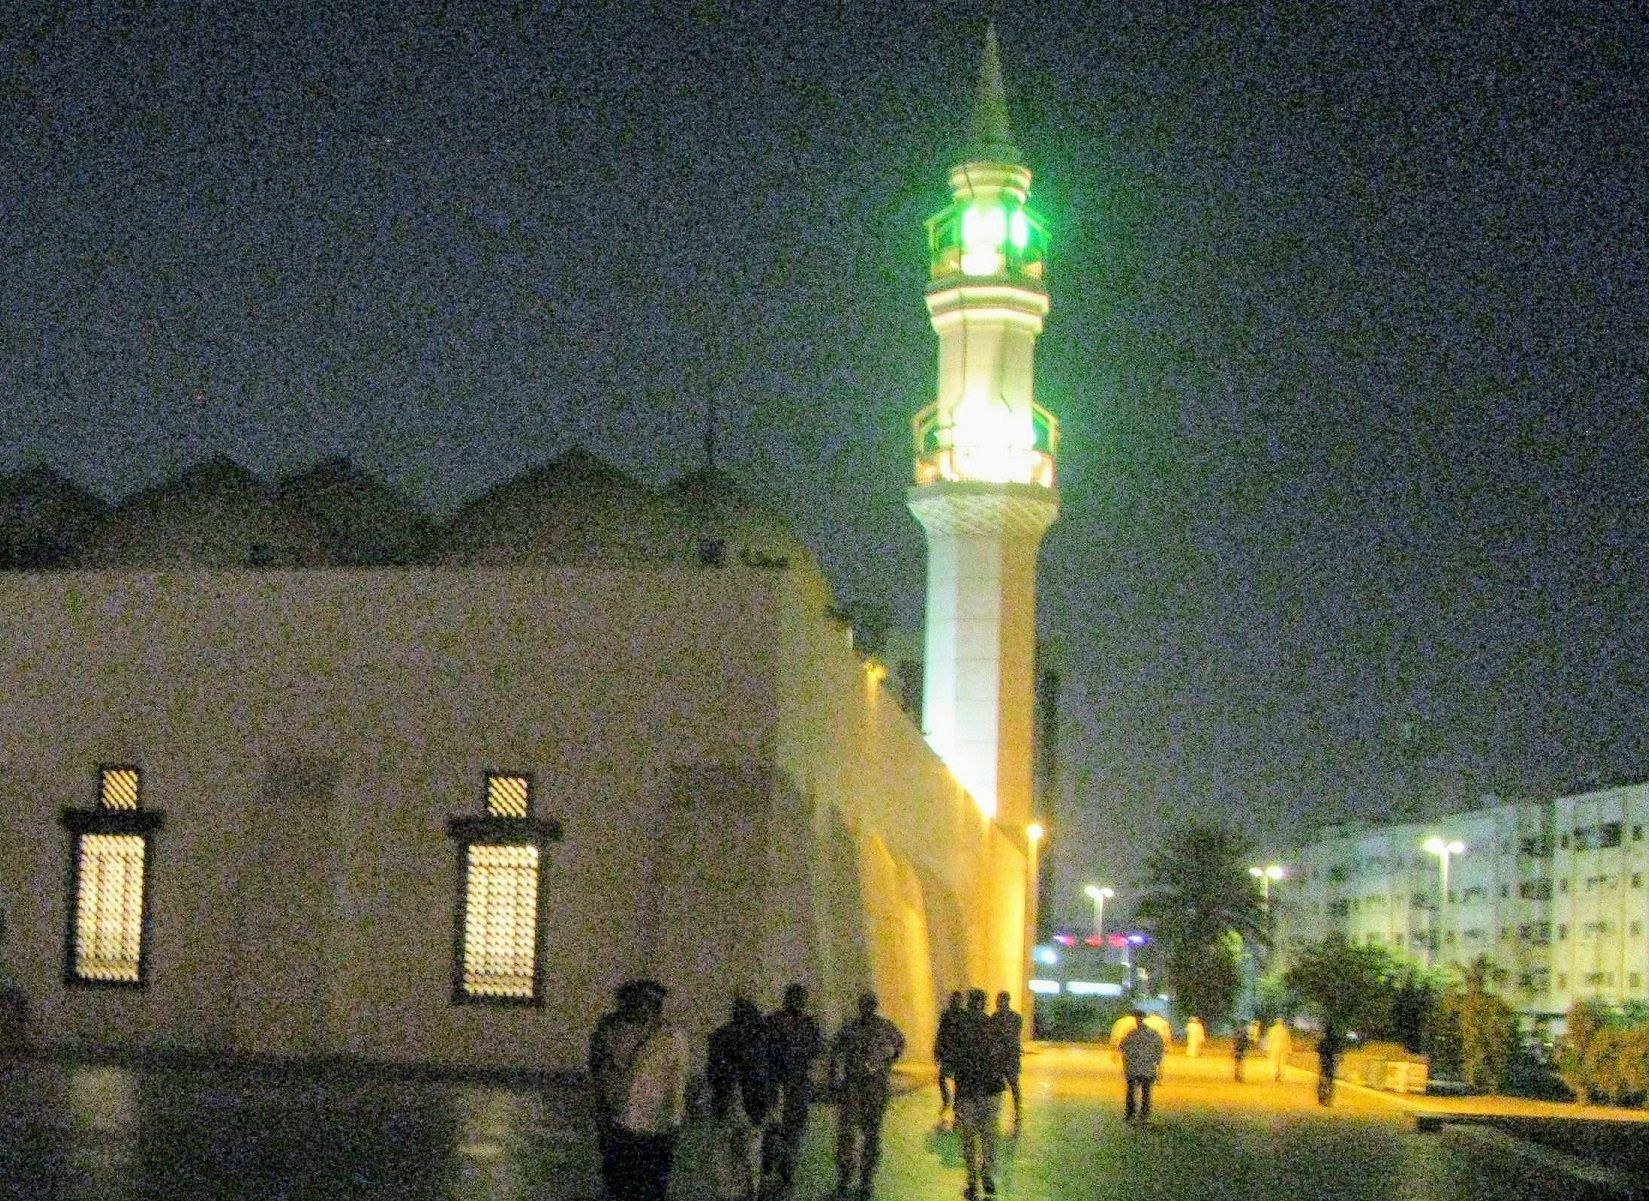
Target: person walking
x,y
1279,1044
638,1067
794,1043
1142,1050
1010,1030
1329,1047
862,1056
943,1052
1120,1030
1195,1036
741,1096
1239,1050
980,1079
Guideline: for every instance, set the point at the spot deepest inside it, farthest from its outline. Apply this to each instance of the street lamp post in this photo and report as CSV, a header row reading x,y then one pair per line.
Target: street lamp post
x,y
1251,960
1097,894
1265,875
1034,834
1444,852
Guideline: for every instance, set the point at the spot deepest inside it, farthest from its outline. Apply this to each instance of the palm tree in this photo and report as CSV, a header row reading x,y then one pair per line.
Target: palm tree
x,y
1198,893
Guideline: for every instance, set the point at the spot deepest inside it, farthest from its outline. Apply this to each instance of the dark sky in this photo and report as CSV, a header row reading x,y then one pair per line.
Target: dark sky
x,y
1348,336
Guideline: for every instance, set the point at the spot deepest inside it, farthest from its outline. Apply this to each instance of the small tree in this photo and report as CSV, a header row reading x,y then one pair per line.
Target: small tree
x,y
1485,1025
1198,894
1575,1062
1345,984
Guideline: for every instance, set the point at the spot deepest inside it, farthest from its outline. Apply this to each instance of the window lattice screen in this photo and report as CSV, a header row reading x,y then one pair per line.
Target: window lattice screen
x,y
501,921
109,908
506,796
117,788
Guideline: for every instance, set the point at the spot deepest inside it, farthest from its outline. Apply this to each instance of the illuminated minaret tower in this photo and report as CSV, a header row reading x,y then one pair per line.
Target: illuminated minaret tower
x,y
984,489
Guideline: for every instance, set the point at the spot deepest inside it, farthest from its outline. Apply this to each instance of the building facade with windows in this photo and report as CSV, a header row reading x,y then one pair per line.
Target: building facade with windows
x,y
1556,892
267,793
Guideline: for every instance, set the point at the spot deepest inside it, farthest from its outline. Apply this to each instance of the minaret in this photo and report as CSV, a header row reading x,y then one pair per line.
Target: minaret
x,y
984,489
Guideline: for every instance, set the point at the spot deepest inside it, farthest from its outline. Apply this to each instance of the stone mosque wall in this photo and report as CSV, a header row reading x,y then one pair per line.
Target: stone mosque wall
x,y
740,803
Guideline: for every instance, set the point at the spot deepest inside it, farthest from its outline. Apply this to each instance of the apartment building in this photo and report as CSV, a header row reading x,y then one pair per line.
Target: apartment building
x,y
1553,891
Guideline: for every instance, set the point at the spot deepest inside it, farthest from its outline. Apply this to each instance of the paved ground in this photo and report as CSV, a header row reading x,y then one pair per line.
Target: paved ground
x,y
114,1134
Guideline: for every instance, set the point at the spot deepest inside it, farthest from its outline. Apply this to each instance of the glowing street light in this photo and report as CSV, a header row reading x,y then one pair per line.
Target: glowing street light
x,y
1097,894
1444,852
1265,875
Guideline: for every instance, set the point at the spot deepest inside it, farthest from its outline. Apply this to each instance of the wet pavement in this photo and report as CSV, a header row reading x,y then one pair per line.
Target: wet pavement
x,y
117,1134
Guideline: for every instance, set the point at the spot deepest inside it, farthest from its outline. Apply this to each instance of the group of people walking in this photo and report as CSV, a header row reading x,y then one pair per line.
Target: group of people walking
x,y
760,1077
759,1073
978,1057
1142,1057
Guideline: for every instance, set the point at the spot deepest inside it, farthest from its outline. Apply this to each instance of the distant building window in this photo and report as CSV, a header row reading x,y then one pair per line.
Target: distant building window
x,y
499,951
1637,833
110,853
1637,929
1637,879
1563,884
1608,835
1562,931
1562,980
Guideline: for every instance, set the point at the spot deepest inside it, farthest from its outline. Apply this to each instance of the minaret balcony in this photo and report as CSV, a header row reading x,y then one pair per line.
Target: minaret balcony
x,y
949,449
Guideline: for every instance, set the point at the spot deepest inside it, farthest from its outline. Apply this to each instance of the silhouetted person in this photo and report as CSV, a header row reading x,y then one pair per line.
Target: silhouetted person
x,y
1329,1047
741,1096
944,1049
1010,1029
980,1079
861,1062
1142,1050
638,1066
1239,1049
794,1042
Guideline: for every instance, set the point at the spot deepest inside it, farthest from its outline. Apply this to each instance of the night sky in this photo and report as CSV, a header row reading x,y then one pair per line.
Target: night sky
x,y
1348,337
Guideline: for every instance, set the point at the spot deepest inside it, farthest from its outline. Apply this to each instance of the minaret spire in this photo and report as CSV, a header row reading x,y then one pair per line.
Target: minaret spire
x,y
990,100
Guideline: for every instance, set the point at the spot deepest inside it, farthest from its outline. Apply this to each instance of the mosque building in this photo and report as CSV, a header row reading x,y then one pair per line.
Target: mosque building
x,y
295,770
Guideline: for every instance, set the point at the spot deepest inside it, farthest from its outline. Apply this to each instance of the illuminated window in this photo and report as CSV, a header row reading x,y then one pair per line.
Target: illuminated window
x,y
499,950
507,795
110,851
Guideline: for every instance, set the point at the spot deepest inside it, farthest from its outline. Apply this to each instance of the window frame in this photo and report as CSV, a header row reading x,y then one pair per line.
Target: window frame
x,y
486,830
137,822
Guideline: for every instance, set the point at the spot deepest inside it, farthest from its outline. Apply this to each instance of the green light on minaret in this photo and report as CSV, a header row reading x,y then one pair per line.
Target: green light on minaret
x,y
1000,238
1019,230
